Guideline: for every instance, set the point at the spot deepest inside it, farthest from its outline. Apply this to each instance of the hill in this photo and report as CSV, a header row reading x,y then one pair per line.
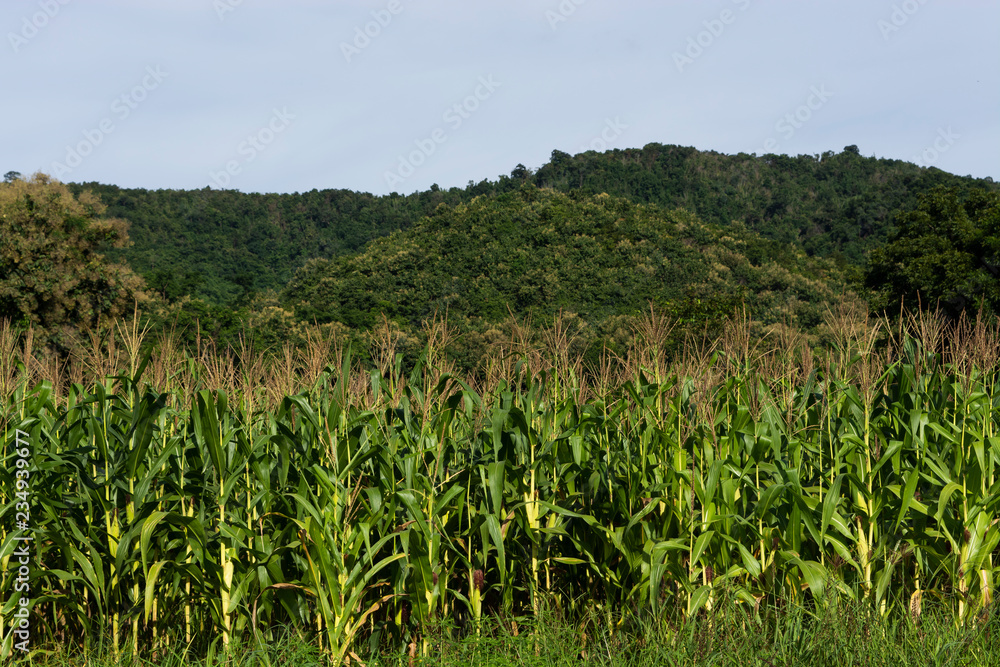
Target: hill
x,y
536,252
838,205
222,246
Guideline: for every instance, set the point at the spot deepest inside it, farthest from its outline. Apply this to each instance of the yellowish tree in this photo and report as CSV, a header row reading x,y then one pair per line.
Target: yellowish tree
x,y
52,271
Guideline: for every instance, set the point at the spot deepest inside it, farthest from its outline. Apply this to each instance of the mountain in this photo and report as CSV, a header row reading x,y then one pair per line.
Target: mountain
x,y
223,246
838,205
537,252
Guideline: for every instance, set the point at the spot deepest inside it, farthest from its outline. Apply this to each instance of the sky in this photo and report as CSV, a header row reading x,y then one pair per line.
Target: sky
x,y
396,95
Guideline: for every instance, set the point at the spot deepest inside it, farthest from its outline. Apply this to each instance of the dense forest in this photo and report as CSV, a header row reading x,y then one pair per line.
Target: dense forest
x,y
223,246
593,238
537,252
836,205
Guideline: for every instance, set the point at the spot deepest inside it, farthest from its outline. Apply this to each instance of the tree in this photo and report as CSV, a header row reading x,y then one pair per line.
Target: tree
x,y
945,253
559,158
52,273
11,176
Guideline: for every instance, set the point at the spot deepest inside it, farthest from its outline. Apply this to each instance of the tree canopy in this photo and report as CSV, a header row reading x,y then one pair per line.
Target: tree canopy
x,y
538,252
945,252
52,273
223,246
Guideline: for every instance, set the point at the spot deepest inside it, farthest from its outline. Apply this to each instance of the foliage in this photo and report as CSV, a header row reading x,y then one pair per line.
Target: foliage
x,y
222,246
945,253
52,274
832,205
539,252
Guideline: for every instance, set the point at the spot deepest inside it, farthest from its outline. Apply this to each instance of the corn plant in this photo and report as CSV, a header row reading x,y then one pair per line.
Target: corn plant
x,y
368,508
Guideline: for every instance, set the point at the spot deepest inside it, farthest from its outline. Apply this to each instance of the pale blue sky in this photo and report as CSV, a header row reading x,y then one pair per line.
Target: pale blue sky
x,y
267,96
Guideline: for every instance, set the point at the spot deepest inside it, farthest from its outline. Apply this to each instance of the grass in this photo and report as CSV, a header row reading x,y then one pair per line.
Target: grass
x,y
842,635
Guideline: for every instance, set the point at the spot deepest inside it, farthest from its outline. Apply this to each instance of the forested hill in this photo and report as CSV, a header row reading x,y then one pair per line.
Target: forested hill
x,y
833,205
540,251
224,245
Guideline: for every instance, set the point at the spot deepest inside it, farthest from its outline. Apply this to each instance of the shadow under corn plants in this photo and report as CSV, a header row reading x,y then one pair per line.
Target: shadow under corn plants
x,y
842,634
837,632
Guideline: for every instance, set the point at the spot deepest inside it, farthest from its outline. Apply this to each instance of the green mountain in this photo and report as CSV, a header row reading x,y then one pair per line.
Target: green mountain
x,y
222,246
538,251
837,205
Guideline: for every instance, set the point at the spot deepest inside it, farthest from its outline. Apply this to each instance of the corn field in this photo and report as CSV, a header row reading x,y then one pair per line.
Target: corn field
x,y
194,500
